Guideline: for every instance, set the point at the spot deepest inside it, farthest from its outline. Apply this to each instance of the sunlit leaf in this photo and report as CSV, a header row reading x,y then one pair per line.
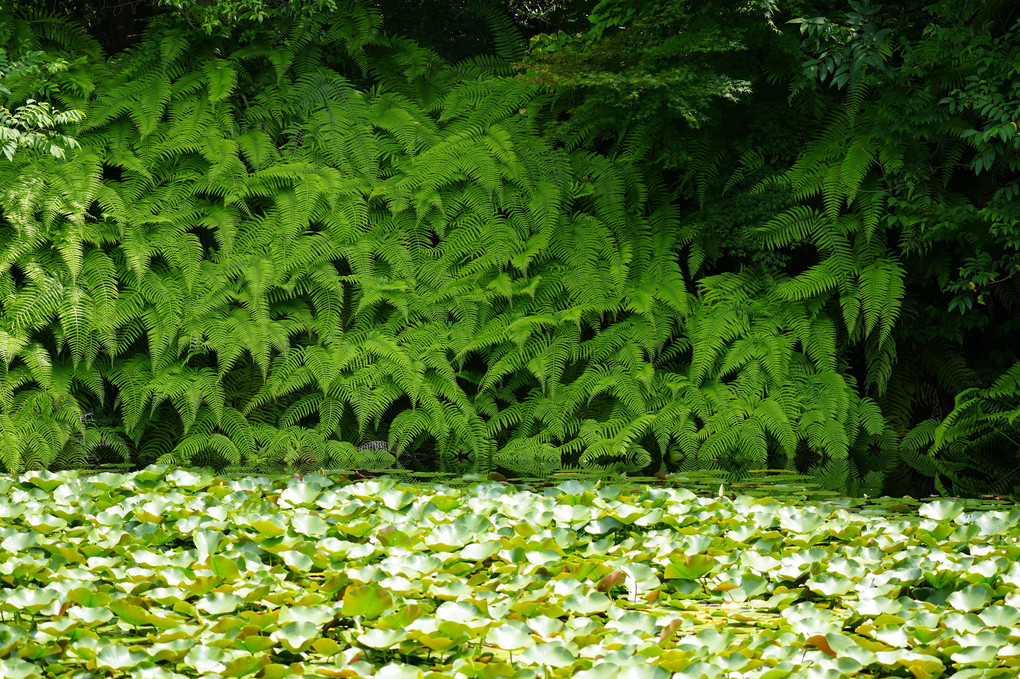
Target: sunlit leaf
x,y
367,601
510,635
224,567
14,668
318,615
218,603
10,637
296,636
130,613
552,654
970,598
690,567
447,537
830,585
205,659
299,561
243,666
29,599
299,494
941,510
309,524
586,605
117,657
1000,616
382,638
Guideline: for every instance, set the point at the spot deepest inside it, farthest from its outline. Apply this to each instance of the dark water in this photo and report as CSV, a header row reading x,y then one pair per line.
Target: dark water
x,y
782,485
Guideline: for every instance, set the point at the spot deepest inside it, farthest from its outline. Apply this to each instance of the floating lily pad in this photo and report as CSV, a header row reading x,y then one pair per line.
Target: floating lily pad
x,y
243,577
366,601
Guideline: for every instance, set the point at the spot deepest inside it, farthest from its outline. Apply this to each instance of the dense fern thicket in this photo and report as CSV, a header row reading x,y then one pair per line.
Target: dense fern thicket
x,y
290,248
868,168
907,192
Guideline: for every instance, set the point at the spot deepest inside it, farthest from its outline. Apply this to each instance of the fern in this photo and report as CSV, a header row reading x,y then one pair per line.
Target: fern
x,y
264,256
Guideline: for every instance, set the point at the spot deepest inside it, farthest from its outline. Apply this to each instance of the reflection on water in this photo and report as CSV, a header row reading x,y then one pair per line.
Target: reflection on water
x,y
779,484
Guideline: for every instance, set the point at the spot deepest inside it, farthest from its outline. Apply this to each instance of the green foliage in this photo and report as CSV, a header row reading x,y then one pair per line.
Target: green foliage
x,y
844,53
644,72
964,446
221,16
888,208
243,574
272,265
906,190
253,263
320,243
27,74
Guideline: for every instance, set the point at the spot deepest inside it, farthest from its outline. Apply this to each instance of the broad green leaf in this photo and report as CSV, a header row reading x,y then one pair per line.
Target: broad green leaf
x,y
45,480
207,541
299,494
1000,616
587,604
88,597
255,643
310,525
642,671
299,561
10,637
458,611
117,657
542,557
829,585
941,510
29,599
479,551
268,527
92,615
970,598
43,523
603,525
219,603
975,655
924,668
447,537
366,601
997,523
398,499
318,615
437,641
187,479
14,668
552,654
205,659
224,567
640,572
130,613
1009,651
799,520
690,567
545,626
244,665
382,638
17,541
296,636
510,636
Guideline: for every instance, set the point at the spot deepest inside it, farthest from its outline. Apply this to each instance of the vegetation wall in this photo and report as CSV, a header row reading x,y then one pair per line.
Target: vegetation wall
x,y
706,235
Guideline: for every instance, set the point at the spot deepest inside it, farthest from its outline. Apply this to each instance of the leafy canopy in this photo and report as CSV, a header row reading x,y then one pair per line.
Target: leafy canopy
x,y
696,233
